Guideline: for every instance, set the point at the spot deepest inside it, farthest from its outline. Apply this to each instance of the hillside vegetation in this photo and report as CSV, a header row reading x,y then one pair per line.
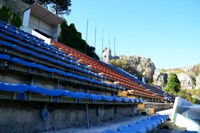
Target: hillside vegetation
x,y
8,16
189,77
72,38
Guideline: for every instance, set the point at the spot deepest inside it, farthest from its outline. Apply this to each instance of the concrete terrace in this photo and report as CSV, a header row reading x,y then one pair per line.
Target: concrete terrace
x,y
113,124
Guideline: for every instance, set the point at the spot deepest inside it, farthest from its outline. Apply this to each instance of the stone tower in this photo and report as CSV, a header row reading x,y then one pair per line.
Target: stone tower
x,y
106,55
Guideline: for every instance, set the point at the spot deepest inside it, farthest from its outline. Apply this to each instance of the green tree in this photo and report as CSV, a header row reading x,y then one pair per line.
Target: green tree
x,y
72,38
195,101
7,16
60,7
173,84
16,21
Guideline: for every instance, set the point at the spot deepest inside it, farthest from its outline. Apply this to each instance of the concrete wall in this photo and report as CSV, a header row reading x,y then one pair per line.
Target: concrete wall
x,y
178,103
157,106
24,117
35,23
182,121
49,83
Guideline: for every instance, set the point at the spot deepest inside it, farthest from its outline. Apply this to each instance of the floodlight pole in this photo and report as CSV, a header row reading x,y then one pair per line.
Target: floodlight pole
x,y
102,39
86,36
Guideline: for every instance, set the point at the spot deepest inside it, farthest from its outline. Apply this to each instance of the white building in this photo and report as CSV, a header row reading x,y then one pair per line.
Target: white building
x,y
41,22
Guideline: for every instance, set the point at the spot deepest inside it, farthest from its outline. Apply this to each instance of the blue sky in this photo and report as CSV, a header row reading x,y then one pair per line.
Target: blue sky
x,y
167,31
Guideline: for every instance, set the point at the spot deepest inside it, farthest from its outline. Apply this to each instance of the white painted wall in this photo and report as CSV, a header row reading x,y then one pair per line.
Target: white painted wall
x,y
178,103
182,121
46,40
26,18
35,23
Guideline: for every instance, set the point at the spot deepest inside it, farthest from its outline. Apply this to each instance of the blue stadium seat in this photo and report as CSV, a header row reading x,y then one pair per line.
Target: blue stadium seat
x,y
106,98
93,96
5,57
24,63
42,56
44,91
125,99
13,87
149,127
117,99
66,93
53,70
139,128
109,131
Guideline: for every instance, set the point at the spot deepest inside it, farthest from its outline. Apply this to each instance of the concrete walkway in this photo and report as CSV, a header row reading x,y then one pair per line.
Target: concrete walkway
x,y
101,126
114,124
165,112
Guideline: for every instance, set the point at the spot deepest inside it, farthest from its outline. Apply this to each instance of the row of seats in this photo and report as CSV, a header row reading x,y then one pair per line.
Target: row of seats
x,y
22,42
154,89
135,82
89,61
16,33
43,57
124,73
128,75
53,70
28,38
23,88
146,125
49,50
108,72
112,76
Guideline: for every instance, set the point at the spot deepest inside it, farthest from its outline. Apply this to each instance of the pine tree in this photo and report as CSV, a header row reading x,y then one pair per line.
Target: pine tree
x,y
72,38
60,7
173,84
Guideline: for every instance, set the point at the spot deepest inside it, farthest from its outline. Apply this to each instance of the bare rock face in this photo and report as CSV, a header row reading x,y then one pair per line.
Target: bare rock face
x,y
16,6
189,76
160,78
186,81
142,65
198,81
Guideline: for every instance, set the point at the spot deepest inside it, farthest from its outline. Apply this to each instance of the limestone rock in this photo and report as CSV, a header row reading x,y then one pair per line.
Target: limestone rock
x,y
198,81
142,65
160,78
186,81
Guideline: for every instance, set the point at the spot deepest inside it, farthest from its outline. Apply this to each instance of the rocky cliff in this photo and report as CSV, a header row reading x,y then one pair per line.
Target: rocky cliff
x,y
16,6
188,76
145,67
136,65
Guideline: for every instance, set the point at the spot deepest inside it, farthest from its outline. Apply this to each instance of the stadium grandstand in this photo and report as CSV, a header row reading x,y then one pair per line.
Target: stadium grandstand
x,y
47,85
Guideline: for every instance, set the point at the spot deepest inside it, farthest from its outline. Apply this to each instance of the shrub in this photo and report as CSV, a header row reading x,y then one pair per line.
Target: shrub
x,y
7,16
16,21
